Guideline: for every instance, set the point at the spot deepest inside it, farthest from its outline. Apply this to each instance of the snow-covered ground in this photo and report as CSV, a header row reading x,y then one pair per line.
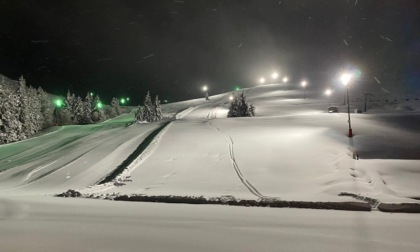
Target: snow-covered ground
x,y
63,224
292,150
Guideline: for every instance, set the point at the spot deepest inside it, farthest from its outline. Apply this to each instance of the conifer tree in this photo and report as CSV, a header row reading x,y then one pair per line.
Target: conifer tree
x,y
97,111
45,108
157,110
148,109
78,111
70,105
87,110
115,104
3,123
9,112
35,116
240,108
139,115
24,109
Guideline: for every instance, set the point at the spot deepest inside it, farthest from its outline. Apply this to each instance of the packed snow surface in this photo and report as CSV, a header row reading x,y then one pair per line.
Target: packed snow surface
x,y
292,150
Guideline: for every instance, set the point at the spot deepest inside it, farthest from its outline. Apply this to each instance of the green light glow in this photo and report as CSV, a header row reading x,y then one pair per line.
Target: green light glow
x,y
128,98
58,103
165,101
91,93
122,101
99,105
237,88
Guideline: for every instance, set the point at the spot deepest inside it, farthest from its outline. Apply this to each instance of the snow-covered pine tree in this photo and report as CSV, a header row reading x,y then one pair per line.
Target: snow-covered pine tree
x,y
87,110
62,115
240,108
78,111
251,110
157,110
24,109
70,105
97,112
9,113
139,115
36,118
45,108
115,104
148,109
3,97
233,107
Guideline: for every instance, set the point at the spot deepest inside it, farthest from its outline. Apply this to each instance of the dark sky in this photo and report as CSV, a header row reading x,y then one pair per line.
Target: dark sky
x,y
173,47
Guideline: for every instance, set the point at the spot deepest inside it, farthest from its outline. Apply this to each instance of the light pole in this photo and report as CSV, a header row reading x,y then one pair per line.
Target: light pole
x,y
205,90
303,84
345,79
328,93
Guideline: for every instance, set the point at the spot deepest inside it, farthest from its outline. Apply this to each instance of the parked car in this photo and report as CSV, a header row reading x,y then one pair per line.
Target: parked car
x,y
332,109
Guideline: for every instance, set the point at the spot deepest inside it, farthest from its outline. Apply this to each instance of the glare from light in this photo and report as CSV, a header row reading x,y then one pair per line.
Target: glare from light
x,y
345,78
275,76
262,80
205,88
128,98
285,79
91,93
122,101
328,92
58,103
99,105
303,83
231,97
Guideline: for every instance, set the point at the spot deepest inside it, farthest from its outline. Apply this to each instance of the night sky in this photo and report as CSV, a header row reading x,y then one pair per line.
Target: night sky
x,y
172,48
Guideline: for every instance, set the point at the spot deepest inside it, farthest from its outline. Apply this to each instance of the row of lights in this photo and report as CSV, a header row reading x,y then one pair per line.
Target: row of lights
x,y
345,79
59,102
274,76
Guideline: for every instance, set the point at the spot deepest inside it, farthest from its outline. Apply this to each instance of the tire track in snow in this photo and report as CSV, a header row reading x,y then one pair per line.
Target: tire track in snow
x,y
238,171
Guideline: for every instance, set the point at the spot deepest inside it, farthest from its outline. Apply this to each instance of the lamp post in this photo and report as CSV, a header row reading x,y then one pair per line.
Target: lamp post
x,y
328,93
345,79
205,89
303,84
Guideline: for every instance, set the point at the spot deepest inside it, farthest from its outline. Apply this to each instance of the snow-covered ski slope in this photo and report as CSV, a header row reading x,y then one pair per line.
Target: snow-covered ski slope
x,y
69,156
292,150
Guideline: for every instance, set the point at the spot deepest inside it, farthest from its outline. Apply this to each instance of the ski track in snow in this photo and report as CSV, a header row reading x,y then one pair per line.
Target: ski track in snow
x,y
29,175
212,114
184,112
125,177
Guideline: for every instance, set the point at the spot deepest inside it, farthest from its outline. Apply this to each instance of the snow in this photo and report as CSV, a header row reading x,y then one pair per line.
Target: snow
x,y
292,150
57,224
